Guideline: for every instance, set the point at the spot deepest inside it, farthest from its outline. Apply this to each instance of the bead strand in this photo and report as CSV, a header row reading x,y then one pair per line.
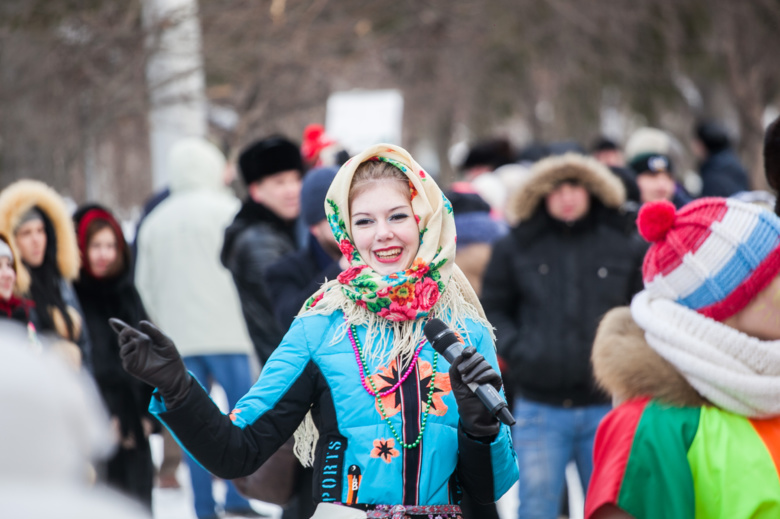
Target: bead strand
x,y
365,374
428,405
361,361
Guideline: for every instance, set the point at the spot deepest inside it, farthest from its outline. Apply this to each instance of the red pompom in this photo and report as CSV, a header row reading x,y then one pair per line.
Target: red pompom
x,y
313,132
655,219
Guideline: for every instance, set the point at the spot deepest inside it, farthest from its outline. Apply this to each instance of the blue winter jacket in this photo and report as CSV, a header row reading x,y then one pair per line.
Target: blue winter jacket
x,y
307,372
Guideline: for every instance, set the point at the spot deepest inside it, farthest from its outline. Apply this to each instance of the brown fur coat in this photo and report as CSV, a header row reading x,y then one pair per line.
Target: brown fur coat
x,y
627,367
20,197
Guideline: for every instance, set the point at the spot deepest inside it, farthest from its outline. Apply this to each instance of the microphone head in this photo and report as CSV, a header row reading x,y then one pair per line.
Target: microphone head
x,y
438,334
433,328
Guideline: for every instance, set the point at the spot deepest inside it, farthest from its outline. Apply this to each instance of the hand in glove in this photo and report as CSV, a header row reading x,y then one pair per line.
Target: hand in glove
x,y
470,367
150,355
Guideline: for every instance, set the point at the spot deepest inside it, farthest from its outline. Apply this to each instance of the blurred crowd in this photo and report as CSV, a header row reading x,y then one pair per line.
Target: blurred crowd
x,y
546,235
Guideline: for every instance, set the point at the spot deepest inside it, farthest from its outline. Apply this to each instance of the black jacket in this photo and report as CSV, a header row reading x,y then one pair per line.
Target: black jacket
x,y
545,290
295,277
723,175
256,239
548,283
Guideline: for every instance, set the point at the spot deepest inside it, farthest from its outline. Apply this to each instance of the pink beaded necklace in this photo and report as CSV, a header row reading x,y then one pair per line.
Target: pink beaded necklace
x,y
358,349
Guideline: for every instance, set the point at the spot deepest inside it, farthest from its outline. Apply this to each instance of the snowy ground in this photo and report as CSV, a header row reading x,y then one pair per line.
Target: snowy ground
x,y
177,503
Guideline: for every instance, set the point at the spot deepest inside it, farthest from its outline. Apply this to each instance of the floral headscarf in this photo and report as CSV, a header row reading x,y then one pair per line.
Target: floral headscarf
x,y
409,294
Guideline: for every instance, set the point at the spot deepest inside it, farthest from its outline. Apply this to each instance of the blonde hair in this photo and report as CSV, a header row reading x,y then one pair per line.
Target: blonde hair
x,y
371,171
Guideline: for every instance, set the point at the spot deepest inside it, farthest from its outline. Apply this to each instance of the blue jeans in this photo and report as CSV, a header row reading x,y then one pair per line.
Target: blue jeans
x,y
233,374
546,438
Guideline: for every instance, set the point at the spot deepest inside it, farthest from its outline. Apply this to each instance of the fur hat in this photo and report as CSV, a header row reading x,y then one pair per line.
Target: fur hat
x,y
268,156
713,255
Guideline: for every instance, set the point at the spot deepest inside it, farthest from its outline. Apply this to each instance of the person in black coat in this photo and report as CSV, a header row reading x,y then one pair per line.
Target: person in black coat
x,y
568,261
722,174
105,289
293,279
262,232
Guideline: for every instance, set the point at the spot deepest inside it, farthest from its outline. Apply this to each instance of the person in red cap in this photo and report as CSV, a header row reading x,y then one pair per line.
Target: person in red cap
x,y
693,366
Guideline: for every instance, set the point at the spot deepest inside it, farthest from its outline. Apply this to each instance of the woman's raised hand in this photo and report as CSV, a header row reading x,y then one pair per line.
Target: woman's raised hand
x,y
150,355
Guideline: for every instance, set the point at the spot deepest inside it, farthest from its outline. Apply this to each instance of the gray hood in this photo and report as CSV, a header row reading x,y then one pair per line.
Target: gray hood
x,y
194,163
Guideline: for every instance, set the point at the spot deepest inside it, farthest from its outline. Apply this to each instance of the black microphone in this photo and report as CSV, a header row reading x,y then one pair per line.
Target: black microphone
x,y
447,344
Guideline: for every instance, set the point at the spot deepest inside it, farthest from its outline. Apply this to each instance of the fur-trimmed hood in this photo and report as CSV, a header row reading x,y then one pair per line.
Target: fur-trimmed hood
x,y
23,195
548,173
627,367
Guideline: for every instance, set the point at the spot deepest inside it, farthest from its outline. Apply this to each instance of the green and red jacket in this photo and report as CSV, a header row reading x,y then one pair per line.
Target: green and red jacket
x,y
654,460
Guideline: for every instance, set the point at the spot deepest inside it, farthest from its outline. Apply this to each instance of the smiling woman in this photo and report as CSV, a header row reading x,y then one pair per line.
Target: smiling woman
x,y
367,398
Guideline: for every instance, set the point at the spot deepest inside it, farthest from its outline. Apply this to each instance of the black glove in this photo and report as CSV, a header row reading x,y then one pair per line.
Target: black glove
x,y
470,367
150,355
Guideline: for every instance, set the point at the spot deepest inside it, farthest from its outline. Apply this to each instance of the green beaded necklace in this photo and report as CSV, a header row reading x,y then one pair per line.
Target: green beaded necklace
x,y
428,405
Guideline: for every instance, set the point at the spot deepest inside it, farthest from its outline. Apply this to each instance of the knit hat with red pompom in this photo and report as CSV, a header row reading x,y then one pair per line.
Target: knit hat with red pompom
x,y
713,255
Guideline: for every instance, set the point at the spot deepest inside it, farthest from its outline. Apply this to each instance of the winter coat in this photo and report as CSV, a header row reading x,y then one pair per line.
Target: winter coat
x,y
295,277
308,372
184,288
665,451
15,201
125,396
548,284
130,469
256,239
722,174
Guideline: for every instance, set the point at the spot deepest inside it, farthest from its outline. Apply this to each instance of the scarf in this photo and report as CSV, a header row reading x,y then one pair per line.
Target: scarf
x,y
396,305
732,370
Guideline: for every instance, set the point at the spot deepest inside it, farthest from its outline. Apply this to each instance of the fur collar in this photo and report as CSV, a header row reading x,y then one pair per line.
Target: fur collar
x,y
547,173
21,196
627,367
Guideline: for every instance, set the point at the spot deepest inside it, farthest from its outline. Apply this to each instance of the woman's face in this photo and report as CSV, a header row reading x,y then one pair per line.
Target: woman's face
x,y
31,240
101,252
384,228
7,278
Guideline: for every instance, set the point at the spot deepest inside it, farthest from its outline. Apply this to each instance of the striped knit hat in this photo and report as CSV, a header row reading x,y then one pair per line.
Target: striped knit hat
x,y
713,255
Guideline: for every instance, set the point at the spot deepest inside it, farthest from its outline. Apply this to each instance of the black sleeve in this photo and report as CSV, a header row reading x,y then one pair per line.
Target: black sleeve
x,y
475,468
227,450
499,295
251,257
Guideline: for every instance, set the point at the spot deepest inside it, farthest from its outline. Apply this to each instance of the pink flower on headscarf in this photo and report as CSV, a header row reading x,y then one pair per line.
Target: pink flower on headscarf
x,y
350,274
397,312
427,292
346,248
